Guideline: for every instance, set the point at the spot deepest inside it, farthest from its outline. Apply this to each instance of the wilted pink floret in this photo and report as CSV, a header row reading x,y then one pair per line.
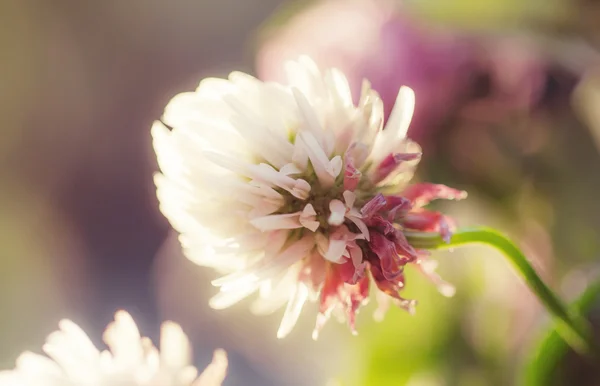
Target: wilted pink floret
x,y
387,251
391,162
422,194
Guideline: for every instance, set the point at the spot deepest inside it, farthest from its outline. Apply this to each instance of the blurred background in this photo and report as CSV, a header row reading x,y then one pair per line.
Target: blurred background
x,y
508,108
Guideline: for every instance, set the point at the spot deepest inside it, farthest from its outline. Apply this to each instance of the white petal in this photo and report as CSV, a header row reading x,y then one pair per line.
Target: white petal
x,y
339,87
31,363
396,127
264,269
175,350
300,154
349,198
123,338
323,168
272,148
238,281
274,293
338,211
290,169
292,311
330,249
225,299
402,113
356,219
308,218
336,165
277,221
336,250
305,75
215,372
311,122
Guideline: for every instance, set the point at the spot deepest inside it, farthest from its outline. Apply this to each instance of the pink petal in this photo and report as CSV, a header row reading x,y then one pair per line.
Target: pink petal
x,y
346,271
403,247
422,194
329,298
392,288
359,295
351,174
390,263
397,206
336,293
313,271
373,205
378,224
353,269
389,287
391,163
428,221
356,254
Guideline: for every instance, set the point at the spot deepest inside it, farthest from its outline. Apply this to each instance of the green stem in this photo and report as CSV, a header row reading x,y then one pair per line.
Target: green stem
x,y
573,329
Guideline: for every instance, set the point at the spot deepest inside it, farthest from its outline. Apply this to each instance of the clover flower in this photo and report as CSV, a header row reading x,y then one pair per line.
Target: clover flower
x,y
295,192
131,360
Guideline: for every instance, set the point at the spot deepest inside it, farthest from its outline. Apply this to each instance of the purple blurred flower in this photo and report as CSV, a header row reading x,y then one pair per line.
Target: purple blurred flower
x,y
371,39
516,73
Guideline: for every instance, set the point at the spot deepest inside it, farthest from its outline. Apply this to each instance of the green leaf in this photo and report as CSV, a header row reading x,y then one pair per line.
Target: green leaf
x,y
544,366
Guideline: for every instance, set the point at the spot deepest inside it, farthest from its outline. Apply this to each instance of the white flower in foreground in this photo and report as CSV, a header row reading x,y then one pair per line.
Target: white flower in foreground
x,y
132,360
294,191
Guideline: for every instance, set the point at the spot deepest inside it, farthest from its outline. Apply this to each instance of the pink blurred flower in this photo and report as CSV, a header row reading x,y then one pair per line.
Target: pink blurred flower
x,y
516,71
373,40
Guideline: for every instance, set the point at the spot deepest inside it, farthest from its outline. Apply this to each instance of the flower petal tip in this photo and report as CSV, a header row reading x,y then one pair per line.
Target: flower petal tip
x,y
447,290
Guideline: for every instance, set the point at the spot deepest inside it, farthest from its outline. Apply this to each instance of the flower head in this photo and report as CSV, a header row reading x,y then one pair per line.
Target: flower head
x,y
131,360
294,191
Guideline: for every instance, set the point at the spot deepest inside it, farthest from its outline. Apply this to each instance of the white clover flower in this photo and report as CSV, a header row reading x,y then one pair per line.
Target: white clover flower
x,y
281,188
131,360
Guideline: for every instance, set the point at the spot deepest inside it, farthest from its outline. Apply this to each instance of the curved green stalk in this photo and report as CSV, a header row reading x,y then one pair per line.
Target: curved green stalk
x,y
572,328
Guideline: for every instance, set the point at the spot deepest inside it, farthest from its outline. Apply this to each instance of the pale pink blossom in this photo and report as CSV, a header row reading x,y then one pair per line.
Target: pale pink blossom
x,y
294,191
